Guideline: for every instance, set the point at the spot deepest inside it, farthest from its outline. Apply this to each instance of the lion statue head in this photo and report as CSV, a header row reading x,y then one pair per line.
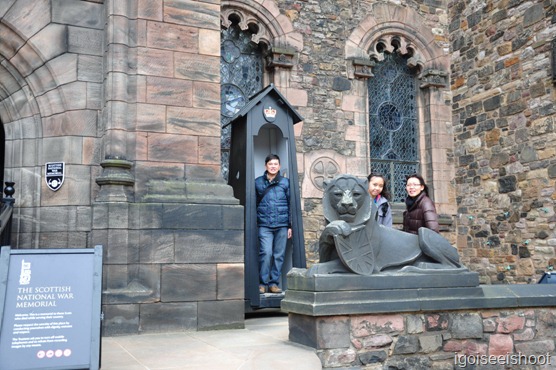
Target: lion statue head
x,y
346,198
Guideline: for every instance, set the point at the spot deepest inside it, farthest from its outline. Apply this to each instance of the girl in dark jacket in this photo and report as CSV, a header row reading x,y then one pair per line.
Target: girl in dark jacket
x,y
421,211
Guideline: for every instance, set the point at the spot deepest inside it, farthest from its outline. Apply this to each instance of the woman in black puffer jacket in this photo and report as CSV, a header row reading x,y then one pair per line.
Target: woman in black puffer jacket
x,y
421,211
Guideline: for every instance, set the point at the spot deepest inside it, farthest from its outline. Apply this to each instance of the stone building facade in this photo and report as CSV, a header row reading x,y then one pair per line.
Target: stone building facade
x,y
502,81
127,95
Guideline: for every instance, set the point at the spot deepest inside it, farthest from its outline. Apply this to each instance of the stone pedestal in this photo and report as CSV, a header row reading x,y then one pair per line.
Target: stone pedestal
x,y
419,321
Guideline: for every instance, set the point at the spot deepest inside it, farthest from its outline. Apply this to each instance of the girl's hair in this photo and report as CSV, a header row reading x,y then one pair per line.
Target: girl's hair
x,y
385,192
421,181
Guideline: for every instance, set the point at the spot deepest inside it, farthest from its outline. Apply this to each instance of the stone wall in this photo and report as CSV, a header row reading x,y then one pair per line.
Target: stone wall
x,y
334,134
435,340
504,126
172,231
127,95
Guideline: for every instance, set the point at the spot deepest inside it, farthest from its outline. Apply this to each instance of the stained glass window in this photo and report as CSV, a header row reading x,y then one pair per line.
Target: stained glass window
x,y
393,122
241,76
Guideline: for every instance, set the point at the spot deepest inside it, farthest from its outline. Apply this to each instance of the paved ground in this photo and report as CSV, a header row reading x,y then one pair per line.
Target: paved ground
x,y
262,345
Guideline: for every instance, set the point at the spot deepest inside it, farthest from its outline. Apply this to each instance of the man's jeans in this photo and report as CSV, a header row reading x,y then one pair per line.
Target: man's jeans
x,y
271,254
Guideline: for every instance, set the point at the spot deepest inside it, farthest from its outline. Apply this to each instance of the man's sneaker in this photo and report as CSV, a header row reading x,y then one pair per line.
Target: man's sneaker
x,y
275,289
262,289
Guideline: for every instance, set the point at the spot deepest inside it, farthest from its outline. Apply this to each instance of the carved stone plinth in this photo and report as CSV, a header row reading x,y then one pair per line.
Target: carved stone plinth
x,y
416,321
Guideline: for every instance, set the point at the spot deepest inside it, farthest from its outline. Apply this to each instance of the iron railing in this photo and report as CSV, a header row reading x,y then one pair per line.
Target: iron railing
x,y
6,211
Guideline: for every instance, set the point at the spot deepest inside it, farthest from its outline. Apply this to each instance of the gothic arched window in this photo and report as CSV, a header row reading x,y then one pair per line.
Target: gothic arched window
x,y
241,74
392,94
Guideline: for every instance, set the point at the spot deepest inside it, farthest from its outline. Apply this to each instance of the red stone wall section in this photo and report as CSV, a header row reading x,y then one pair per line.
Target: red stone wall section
x,y
439,340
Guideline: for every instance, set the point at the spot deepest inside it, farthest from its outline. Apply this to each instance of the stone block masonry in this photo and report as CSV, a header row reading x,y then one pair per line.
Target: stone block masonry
x,y
523,338
421,321
503,120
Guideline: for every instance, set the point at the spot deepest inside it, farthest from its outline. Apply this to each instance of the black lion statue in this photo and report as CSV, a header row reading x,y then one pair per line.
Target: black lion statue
x,y
353,242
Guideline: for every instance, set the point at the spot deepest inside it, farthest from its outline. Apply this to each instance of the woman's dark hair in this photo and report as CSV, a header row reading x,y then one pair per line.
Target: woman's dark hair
x,y
385,192
421,181
271,157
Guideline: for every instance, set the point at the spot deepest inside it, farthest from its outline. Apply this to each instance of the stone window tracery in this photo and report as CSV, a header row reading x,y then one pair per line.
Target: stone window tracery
x,y
241,73
393,118
253,49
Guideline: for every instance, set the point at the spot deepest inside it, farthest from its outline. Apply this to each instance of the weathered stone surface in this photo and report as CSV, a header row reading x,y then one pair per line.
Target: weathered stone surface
x,y
430,343
190,121
52,41
188,283
408,350
228,274
340,84
336,357
169,91
28,16
166,317
149,9
436,322
78,122
414,363
27,60
172,148
332,333
540,347
512,151
172,37
154,62
507,184
219,315
206,95
120,319
156,246
197,67
209,42
406,344
225,246
85,41
372,357
533,14
151,117
81,13
192,13
130,283
466,326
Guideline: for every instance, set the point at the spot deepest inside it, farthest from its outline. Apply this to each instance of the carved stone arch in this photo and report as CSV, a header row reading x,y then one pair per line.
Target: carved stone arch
x,y
270,28
401,27
393,28
28,93
248,21
18,97
399,44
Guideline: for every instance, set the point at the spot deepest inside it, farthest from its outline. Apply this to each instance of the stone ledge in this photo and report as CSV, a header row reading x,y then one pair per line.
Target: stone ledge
x,y
339,282
347,294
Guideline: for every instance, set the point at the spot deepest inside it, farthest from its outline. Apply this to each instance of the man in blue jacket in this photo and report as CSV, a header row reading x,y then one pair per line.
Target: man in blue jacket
x,y
274,222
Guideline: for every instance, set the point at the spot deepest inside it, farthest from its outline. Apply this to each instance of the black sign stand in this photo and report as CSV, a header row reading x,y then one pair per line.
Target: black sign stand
x,y
50,308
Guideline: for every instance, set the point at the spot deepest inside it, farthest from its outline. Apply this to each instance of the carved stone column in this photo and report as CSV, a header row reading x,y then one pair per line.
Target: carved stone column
x,y
116,180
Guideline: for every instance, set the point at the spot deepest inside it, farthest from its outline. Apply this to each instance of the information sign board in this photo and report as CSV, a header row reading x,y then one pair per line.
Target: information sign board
x,y
50,308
